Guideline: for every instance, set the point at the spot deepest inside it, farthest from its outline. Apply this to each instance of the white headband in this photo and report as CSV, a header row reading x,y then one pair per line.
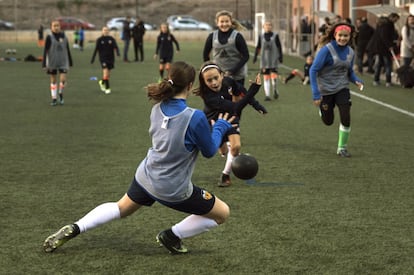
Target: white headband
x,y
209,67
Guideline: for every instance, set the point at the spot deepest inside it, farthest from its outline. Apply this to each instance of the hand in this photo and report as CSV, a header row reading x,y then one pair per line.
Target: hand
x,y
261,109
360,86
226,118
317,102
258,79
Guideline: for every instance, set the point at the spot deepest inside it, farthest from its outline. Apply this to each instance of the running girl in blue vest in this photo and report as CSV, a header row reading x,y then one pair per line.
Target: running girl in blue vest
x,y
330,74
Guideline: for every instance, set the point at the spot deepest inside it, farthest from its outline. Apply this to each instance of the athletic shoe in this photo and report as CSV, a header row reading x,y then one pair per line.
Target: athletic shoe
x,y
343,152
225,181
102,85
375,83
306,80
61,101
388,84
59,238
267,98
107,91
174,245
53,103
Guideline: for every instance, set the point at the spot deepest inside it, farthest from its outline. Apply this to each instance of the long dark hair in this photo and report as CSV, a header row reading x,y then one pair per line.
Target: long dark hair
x,y
407,26
201,90
330,35
180,76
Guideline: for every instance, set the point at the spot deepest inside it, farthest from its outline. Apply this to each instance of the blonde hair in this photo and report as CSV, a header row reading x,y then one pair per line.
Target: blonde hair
x,y
235,24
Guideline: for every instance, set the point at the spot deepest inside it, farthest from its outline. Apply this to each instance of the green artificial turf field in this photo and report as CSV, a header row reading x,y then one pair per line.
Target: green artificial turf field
x,y
308,211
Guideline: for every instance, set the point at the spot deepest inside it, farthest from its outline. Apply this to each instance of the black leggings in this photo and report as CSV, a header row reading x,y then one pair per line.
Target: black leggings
x,y
342,99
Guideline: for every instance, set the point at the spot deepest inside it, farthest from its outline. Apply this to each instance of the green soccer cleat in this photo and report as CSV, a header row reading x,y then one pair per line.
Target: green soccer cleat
x,y
59,238
174,245
102,85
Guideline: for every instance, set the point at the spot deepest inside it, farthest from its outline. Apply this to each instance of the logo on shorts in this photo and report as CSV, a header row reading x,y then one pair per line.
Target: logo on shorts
x,y
206,195
325,107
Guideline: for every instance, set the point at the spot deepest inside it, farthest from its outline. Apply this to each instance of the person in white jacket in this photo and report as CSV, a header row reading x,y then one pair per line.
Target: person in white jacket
x,y
407,42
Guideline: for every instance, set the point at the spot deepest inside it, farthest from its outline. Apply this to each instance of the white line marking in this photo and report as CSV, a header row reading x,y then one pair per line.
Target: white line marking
x,y
405,112
392,107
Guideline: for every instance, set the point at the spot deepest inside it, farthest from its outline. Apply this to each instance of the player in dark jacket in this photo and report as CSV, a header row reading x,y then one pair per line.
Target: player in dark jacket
x,y
106,46
222,94
165,49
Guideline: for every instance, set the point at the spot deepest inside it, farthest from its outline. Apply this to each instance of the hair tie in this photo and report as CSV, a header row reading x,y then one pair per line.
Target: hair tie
x,y
342,28
171,82
209,67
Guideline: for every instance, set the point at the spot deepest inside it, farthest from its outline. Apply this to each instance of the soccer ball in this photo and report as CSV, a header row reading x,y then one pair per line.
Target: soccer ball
x,y
244,166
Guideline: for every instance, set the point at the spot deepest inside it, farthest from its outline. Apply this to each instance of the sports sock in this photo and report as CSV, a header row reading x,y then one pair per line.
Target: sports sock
x,y
229,160
290,76
267,87
106,82
162,73
343,136
193,225
101,214
61,87
273,79
53,90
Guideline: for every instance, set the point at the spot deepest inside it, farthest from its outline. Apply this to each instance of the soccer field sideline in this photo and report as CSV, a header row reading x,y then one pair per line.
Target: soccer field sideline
x,y
386,105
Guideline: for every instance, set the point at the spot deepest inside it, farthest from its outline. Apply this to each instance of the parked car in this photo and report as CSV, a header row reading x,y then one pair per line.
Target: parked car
x,y
117,23
187,23
71,23
171,18
5,25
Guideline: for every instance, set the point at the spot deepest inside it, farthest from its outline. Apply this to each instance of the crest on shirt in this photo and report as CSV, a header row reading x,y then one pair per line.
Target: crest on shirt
x,y
206,195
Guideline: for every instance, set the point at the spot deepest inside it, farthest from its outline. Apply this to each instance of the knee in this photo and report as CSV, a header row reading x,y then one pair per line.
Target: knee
x,y
224,214
235,149
327,121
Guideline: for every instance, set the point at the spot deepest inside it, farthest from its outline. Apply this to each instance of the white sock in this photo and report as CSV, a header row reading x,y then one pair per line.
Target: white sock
x,y
53,90
101,214
229,160
61,87
267,87
193,225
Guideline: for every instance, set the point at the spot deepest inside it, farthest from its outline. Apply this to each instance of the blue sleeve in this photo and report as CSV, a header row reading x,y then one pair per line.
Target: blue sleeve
x,y
199,134
321,60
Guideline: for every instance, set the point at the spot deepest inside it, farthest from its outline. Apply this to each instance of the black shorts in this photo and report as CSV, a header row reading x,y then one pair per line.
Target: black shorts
x,y
166,59
107,65
269,70
55,71
342,97
199,203
231,131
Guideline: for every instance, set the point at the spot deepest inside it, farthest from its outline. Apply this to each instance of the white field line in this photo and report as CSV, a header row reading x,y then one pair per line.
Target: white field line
x,y
386,105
